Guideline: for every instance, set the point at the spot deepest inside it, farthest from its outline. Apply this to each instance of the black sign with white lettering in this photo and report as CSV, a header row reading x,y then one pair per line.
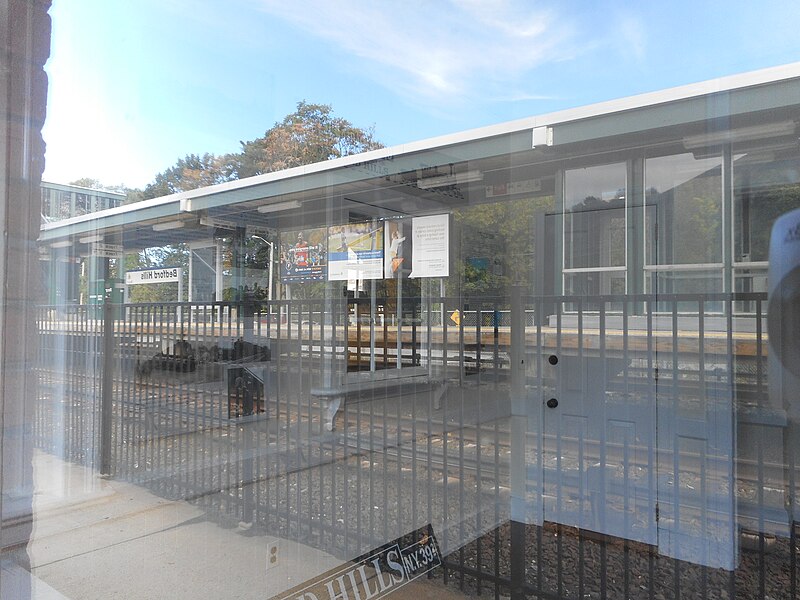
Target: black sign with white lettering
x,y
377,574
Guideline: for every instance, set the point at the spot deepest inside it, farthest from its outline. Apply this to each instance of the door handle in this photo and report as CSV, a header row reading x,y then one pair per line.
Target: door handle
x,y
552,359
552,403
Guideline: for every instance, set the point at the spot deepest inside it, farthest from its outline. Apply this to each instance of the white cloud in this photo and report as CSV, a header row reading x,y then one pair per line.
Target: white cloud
x,y
632,36
455,50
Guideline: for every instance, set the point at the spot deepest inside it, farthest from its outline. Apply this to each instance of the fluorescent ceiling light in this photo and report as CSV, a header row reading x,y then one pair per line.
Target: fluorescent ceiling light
x,y
743,134
61,244
167,225
452,179
287,205
90,239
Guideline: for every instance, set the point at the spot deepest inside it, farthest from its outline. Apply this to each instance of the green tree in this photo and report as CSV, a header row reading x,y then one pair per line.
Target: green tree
x,y
310,134
189,173
496,246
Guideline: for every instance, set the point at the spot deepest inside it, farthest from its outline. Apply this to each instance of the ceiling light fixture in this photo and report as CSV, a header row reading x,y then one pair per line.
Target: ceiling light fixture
x,y
61,244
218,223
743,134
278,206
167,225
90,239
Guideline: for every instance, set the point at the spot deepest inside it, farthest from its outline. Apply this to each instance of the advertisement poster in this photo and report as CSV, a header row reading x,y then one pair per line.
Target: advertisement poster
x,y
431,241
304,255
355,251
397,256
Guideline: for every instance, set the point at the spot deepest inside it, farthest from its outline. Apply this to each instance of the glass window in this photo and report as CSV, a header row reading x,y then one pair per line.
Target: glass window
x,y
46,204
764,189
83,204
749,283
696,282
683,216
509,362
595,282
594,217
64,205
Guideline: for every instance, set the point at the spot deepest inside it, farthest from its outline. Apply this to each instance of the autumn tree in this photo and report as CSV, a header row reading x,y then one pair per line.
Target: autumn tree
x,y
310,134
189,173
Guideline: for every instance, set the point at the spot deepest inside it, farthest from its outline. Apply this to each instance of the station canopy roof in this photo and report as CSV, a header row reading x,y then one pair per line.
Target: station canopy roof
x,y
444,173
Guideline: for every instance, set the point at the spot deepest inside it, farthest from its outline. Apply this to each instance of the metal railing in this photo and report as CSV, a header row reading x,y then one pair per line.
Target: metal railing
x,y
213,404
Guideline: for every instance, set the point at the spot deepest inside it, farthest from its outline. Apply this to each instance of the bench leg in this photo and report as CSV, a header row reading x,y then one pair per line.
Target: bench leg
x,y
330,411
438,393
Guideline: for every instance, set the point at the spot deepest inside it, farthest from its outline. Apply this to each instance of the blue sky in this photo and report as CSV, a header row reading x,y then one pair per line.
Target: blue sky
x,y
136,85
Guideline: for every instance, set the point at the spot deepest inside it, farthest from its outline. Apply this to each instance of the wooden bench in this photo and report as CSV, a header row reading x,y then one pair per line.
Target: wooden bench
x,y
364,381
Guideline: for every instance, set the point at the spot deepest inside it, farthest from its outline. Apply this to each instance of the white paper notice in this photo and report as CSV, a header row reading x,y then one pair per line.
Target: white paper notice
x,y
431,246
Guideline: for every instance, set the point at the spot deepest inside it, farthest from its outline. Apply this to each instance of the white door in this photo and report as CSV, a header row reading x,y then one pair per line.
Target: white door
x,y
695,430
599,422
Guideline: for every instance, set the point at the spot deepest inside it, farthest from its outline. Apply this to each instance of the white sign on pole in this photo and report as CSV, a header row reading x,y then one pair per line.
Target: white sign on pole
x,y
431,250
168,275
106,250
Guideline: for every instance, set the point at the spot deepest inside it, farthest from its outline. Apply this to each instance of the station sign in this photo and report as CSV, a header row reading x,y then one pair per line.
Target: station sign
x,y
382,572
102,250
166,275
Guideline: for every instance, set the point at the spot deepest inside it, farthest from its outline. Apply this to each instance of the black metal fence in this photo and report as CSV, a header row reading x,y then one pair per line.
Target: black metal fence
x,y
444,420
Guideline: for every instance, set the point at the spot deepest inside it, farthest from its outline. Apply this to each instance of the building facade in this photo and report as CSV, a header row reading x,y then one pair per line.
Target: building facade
x,y
61,201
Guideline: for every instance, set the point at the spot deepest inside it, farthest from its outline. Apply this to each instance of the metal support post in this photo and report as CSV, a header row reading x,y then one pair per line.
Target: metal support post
x,y
518,437
106,398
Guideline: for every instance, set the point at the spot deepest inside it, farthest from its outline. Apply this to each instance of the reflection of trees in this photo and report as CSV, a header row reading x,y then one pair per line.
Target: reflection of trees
x,y
596,232
308,290
176,255
765,205
497,247
689,220
699,226
593,203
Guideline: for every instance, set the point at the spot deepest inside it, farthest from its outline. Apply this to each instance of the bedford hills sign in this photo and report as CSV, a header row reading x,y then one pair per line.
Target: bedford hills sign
x,y
382,572
167,275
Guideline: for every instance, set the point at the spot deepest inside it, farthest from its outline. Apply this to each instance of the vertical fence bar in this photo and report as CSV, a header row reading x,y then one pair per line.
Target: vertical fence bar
x,y
107,394
478,479
151,415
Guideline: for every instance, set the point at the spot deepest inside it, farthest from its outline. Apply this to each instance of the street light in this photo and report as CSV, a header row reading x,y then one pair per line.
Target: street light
x,y
271,252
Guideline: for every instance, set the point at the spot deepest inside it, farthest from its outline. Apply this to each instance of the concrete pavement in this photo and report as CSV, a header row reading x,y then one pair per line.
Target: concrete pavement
x,y
99,539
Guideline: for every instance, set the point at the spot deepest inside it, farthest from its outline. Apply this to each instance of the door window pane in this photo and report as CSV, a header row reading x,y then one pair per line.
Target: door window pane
x,y
594,217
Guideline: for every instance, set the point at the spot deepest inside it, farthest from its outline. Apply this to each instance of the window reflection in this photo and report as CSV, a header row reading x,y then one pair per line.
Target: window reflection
x,y
594,221
764,189
683,199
